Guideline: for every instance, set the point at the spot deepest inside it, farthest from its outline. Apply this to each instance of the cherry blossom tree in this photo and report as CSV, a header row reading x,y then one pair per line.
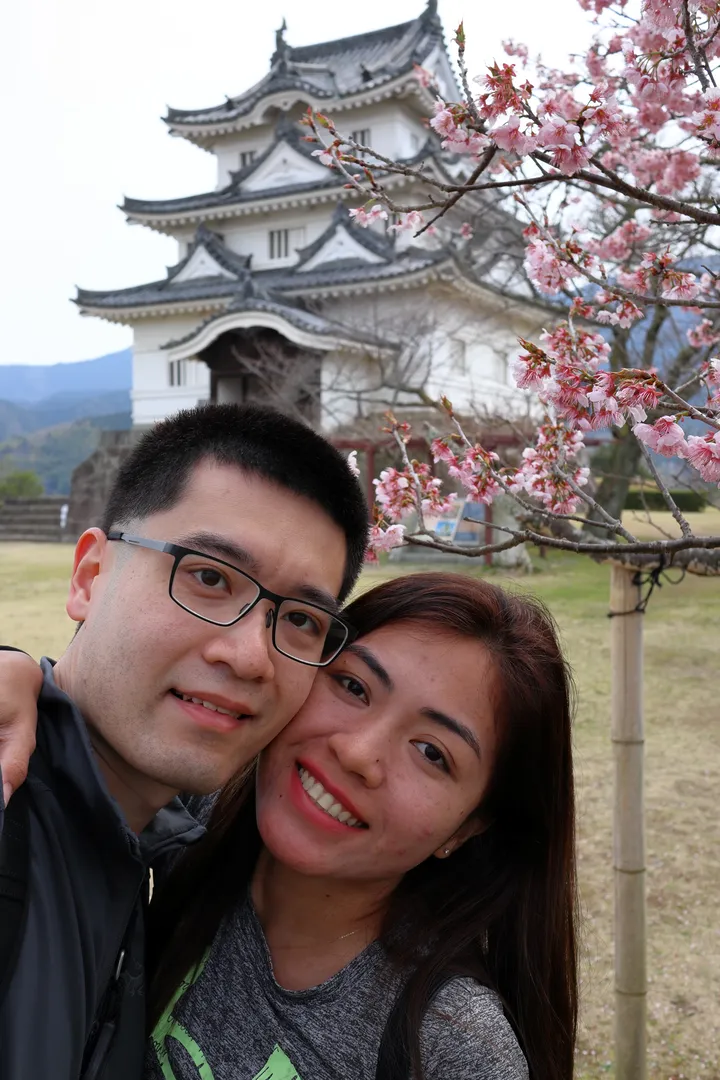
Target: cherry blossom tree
x,y
612,167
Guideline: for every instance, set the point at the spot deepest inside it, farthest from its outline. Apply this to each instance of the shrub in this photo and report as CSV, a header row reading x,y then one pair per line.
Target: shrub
x,y
20,484
651,499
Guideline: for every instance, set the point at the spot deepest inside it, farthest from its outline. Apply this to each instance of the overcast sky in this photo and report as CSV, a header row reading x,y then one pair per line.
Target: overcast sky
x,y
83,85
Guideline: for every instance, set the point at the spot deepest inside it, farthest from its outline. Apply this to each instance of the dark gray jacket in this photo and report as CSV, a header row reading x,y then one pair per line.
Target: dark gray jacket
x,y
88,877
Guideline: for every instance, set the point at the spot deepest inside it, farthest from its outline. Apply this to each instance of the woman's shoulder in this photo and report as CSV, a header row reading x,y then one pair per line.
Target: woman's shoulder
x,y
466,1034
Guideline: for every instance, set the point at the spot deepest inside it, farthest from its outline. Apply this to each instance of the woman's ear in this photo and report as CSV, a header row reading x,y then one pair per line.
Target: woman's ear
x,y
474,826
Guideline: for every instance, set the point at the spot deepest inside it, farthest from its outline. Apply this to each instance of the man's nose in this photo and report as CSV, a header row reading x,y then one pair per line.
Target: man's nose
x,y
246,647
362,751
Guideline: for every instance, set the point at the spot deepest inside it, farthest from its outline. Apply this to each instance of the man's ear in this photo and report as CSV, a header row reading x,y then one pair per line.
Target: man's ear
x,y
89,552
474,826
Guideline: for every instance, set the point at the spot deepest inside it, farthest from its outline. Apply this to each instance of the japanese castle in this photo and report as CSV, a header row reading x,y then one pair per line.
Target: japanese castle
x,y
278,295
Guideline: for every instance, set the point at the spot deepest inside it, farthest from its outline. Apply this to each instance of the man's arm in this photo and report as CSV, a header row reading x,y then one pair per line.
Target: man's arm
x,y
20,684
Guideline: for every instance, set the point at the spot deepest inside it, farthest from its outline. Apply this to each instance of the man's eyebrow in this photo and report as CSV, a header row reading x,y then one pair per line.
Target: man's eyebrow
x,y
215,544
373,663
455,726
315,596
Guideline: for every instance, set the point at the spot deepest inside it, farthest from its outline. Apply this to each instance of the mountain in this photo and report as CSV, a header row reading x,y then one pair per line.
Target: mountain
x,y
51,416
54,452
26,384
61,408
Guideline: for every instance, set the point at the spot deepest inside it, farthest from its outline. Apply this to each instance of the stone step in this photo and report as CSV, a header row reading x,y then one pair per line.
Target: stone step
x,y
32,519
37,516
40,500
26,538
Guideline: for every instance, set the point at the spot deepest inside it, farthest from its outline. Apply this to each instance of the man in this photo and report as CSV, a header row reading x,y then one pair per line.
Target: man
x,y
205,605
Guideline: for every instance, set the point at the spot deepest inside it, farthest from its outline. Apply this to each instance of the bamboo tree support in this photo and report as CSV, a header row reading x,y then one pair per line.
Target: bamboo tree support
x,y
628,741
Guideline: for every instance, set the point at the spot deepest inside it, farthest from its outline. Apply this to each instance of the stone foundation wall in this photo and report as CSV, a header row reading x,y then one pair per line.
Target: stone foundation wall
x,y
92,480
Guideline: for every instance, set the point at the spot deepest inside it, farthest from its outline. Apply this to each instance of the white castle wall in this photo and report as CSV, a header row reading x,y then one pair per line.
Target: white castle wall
x,y
152,396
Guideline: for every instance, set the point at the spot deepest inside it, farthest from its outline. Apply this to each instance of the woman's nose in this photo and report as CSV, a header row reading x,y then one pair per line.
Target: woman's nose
x,y
361,752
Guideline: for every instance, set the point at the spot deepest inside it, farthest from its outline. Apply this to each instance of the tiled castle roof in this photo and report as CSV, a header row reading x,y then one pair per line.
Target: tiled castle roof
x,y
288,132
235,277
330,69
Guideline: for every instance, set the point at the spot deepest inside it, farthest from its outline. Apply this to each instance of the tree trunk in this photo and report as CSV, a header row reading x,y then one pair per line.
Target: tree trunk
x,y
629,828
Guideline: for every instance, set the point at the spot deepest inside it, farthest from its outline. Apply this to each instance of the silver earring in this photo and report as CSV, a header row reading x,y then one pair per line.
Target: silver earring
x,y
447,852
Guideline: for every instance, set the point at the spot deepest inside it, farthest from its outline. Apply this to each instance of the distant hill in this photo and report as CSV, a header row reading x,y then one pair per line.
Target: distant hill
x,y
54,452
27,384
60,408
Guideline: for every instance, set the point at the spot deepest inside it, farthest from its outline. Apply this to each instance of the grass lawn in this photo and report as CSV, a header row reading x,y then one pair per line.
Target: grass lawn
x,y
682,708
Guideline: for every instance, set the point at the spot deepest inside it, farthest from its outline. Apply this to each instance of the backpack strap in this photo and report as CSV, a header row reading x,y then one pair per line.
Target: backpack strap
x,y
394,1054
14,881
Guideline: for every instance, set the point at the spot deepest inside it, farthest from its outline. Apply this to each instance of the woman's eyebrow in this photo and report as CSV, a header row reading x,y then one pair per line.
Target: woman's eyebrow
x,y
455,726
373,663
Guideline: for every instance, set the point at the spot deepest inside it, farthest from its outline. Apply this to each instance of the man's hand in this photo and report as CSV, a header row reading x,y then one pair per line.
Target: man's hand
x,y
20,683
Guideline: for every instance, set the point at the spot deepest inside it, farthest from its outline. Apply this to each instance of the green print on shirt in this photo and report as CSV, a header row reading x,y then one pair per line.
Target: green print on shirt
x,y
278,1067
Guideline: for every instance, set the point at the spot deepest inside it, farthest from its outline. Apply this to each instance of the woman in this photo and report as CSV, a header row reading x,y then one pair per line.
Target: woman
x,y
407,841
391,891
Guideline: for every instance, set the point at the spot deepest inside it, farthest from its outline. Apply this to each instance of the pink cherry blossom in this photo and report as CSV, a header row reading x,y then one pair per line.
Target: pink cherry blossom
x,y
443,122
620,244
352,463
570,159
424,77
364,217
409,222
324,156
513,48
545,268
665,437
386,539
441,452
531,369
679,286
703,453
508,136
393,494
703,334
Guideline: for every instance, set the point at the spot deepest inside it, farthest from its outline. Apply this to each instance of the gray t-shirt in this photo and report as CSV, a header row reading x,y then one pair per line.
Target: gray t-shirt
x,y
234,1022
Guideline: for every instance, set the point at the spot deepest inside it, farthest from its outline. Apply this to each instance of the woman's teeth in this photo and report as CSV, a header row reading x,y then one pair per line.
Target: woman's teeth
x,y
326,801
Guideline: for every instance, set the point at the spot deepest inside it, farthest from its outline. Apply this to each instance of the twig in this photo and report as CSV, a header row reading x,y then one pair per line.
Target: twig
x,y
671,504
692,46
411,469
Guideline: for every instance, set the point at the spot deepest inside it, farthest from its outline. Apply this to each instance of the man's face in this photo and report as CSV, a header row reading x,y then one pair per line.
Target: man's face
x,y
137,651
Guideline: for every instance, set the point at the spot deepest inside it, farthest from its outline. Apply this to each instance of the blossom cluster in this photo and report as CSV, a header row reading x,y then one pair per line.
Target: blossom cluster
x,y
397,491
613,165
550,471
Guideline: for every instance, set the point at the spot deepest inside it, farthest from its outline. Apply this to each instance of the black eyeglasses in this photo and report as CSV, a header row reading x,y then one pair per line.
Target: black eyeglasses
x,y
218,592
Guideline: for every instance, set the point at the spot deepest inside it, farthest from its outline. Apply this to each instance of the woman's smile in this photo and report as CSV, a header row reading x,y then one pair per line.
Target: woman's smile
x,y
331,803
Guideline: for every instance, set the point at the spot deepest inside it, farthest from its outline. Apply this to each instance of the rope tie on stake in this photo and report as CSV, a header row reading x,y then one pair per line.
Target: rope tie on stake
x,y
649,579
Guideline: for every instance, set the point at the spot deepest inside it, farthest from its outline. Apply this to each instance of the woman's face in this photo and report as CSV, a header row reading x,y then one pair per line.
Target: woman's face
x,y
385,761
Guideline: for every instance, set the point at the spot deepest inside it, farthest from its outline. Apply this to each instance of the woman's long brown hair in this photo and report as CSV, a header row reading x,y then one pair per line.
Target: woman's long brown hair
x,y
503,908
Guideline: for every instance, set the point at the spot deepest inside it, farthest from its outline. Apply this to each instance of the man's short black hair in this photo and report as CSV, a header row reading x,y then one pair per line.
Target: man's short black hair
x,y
260,441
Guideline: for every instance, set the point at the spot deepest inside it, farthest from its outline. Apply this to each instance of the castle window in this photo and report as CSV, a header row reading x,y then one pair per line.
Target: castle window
x,y
458,356
362,136
246,158
279,243
178,372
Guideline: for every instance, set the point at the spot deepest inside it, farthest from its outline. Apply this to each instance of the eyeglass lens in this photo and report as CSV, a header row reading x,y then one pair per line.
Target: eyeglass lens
x,y
221,594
